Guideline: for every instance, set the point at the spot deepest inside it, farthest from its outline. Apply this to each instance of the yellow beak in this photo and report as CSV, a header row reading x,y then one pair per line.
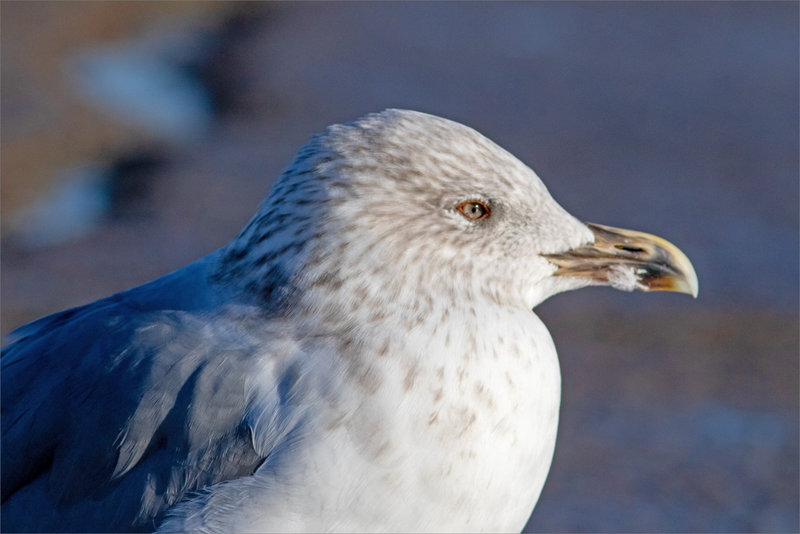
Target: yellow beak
x,y
627,259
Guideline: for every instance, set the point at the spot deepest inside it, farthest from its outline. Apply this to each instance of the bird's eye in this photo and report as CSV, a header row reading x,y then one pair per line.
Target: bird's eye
x,y
474,210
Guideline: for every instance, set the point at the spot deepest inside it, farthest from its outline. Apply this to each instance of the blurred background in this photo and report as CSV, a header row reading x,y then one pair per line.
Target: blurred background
x,y
137,137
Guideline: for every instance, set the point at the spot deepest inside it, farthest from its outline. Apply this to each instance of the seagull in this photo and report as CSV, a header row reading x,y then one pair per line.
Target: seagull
x,y
363,356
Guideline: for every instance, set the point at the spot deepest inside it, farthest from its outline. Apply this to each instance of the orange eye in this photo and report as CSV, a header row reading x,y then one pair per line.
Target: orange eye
x,y
474,210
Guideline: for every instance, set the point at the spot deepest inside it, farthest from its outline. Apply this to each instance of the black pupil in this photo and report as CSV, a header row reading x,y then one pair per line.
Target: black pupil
x,y
476,210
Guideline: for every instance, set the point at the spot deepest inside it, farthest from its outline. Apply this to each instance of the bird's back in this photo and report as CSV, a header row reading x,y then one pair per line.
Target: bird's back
x,y
114,411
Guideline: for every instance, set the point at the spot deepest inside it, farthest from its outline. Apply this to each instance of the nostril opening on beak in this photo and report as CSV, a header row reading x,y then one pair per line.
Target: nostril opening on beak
x,y
626,248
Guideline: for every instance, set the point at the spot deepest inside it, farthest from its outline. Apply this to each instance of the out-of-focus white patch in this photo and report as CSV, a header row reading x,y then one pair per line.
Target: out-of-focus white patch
x,y
624,278
78,203
142,83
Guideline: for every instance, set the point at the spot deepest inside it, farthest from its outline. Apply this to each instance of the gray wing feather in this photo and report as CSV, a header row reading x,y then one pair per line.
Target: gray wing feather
x,y
112,413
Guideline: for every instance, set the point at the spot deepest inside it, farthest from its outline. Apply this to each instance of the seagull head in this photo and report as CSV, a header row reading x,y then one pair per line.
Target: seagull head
x,y
401,207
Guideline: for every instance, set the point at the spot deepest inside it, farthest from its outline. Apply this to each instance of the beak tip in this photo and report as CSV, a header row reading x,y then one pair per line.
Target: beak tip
x,y
692,289
690,276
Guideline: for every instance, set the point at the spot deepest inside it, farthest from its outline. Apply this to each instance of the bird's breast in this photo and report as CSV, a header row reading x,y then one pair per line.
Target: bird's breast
x,y
458,423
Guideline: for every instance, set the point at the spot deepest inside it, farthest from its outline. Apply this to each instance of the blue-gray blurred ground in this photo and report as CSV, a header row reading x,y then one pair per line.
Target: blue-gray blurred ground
x,y
676,118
